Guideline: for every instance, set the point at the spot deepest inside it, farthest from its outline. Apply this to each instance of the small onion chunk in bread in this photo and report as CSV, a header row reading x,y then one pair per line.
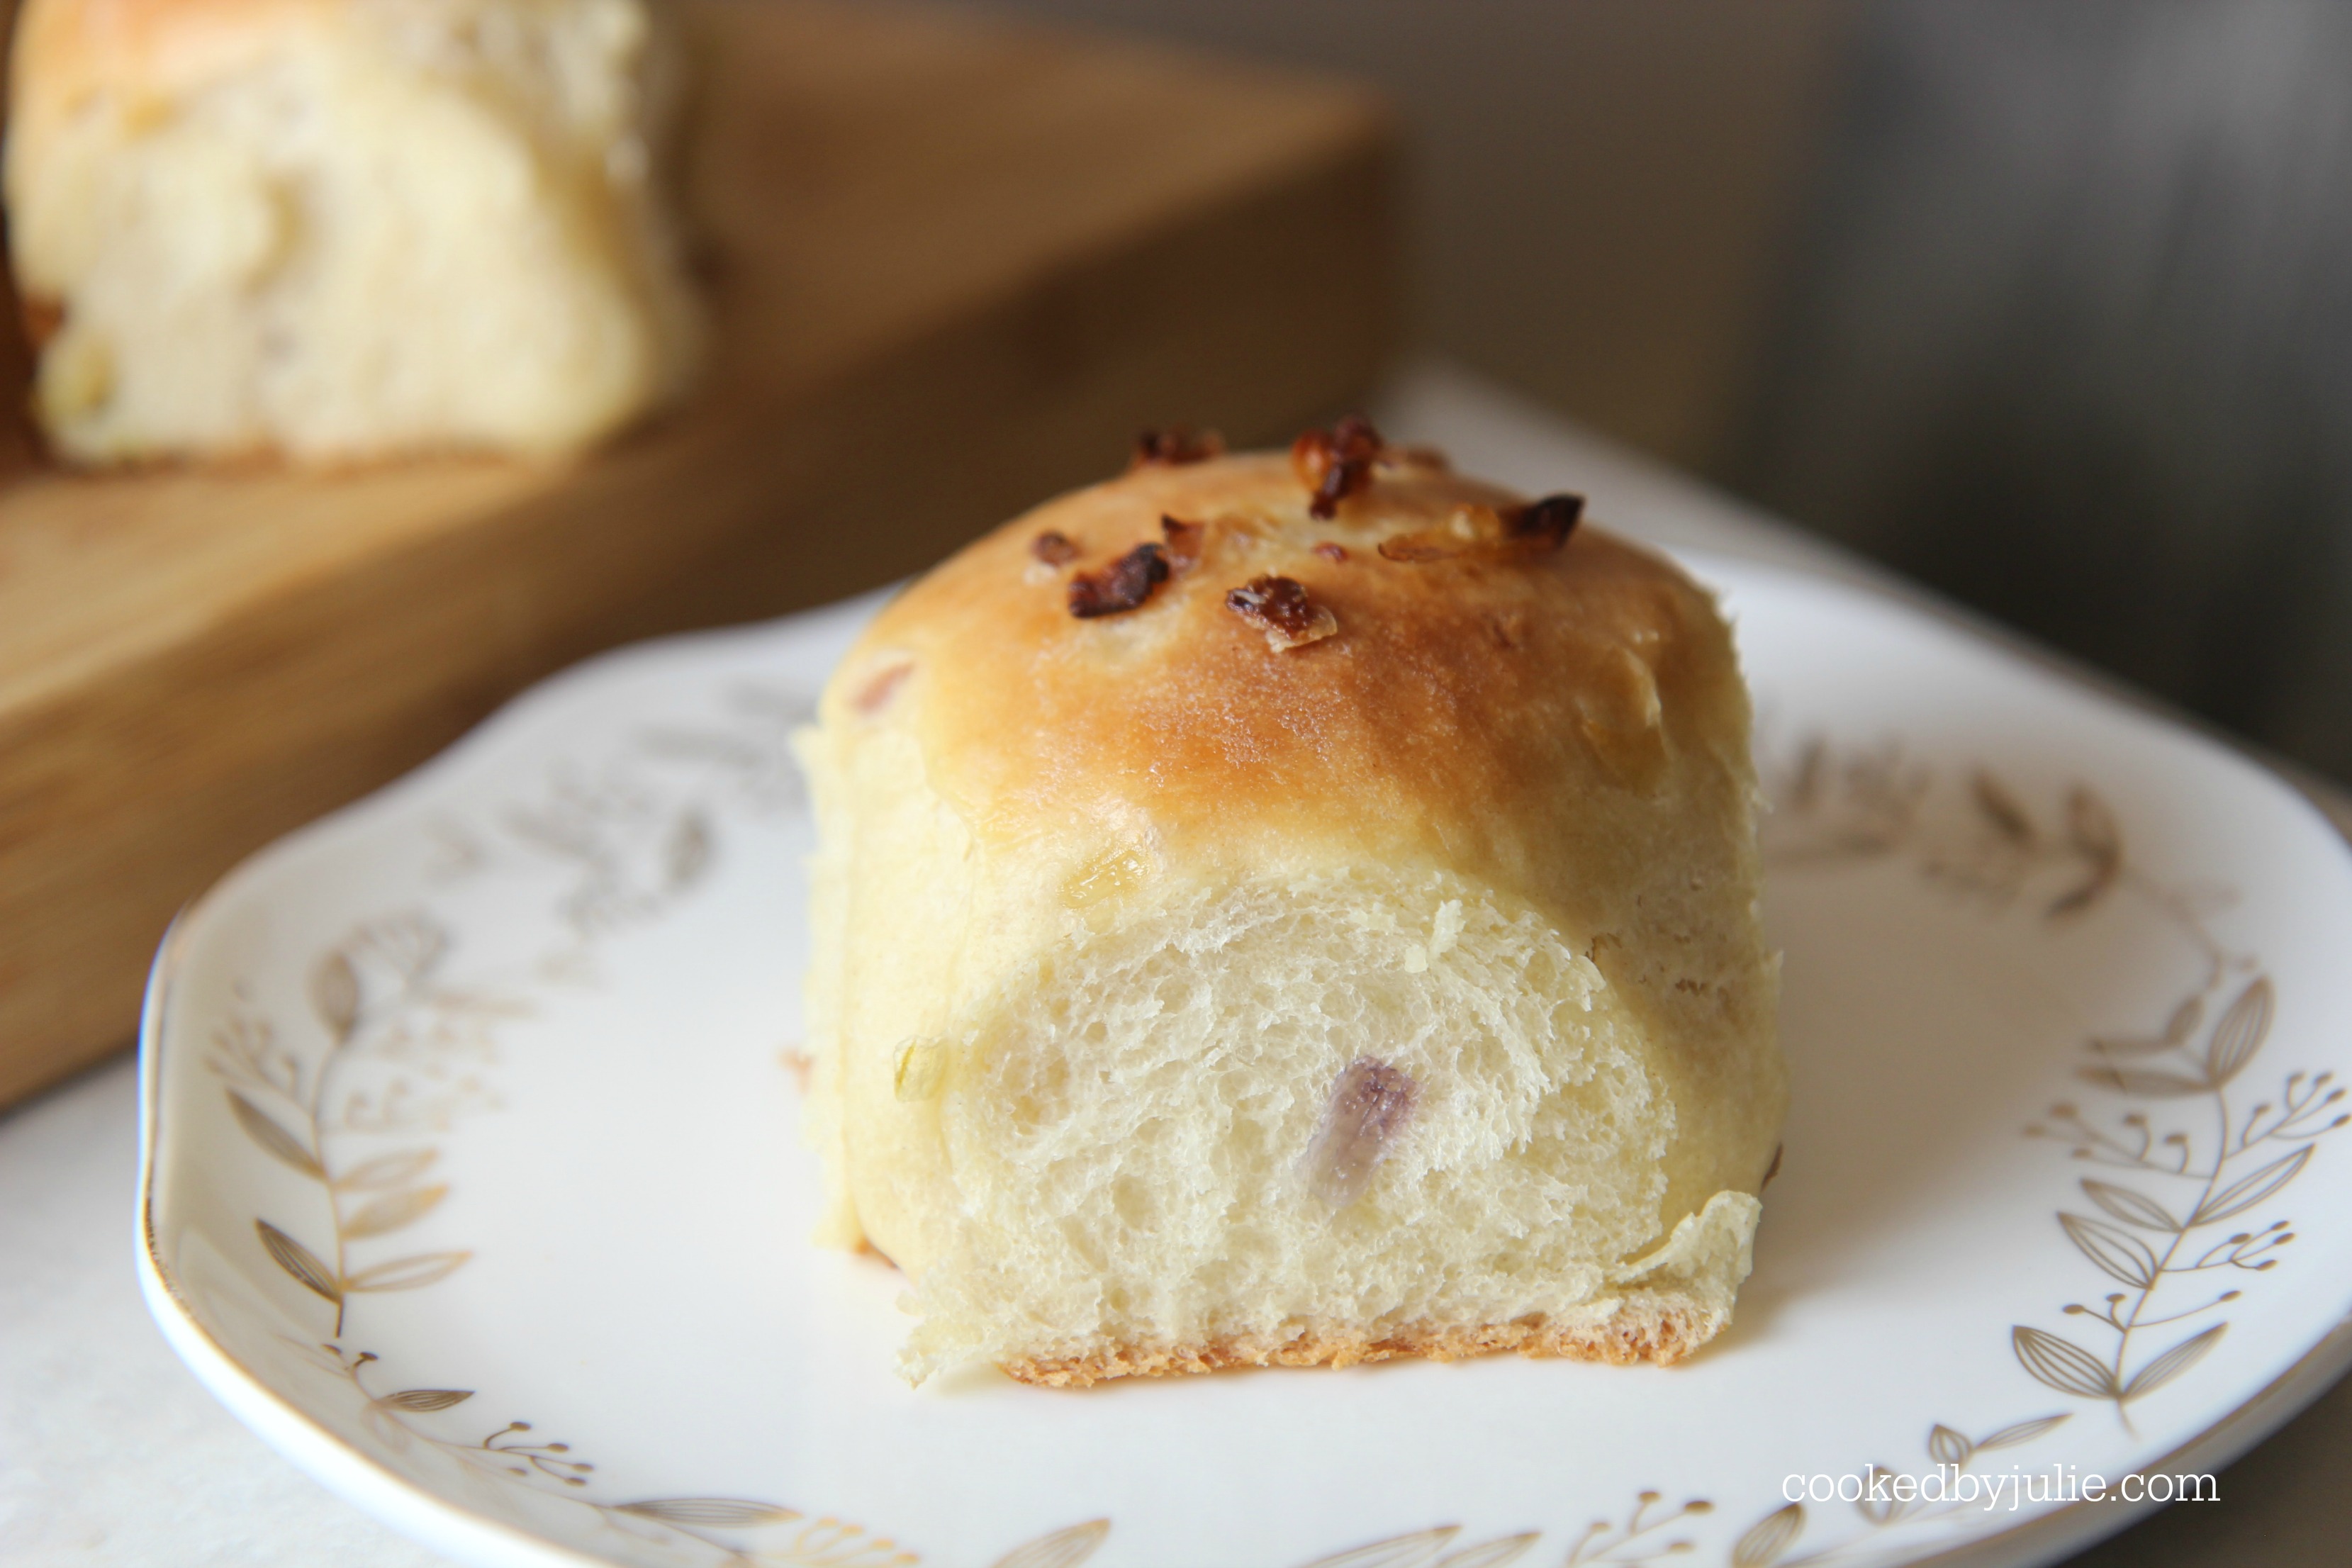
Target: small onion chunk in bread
x,y
1265,917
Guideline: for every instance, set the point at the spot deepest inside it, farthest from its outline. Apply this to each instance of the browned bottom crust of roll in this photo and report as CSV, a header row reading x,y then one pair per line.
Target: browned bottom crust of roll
x,y
1650,1329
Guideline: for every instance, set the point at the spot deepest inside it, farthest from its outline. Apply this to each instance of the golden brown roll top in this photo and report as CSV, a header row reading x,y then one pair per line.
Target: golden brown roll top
x,y
1458,702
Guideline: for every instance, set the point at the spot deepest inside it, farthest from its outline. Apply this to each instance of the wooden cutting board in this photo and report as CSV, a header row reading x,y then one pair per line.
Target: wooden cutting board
x,y
955,265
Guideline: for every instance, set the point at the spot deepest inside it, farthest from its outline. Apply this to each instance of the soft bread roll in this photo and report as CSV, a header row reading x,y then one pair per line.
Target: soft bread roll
x,y
1203,983
341,229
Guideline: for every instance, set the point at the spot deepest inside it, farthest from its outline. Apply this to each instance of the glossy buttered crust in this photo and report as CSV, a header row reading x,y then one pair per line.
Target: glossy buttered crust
x,y
1565,727
1460,700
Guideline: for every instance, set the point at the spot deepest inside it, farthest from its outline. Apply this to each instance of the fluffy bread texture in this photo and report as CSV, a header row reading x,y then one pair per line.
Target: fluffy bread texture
x,y
1118,918
342,229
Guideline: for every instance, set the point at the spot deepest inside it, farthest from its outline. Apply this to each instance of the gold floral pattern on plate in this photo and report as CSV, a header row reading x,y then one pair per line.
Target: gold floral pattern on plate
x,y
405,1048
1836,805
356,1066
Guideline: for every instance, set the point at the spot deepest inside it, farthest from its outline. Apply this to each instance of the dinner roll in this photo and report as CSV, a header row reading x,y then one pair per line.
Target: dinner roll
x,y
1293,909
341,229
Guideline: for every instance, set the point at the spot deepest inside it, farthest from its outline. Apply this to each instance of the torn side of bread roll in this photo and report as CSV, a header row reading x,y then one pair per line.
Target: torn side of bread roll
x,y
1293,909
342,229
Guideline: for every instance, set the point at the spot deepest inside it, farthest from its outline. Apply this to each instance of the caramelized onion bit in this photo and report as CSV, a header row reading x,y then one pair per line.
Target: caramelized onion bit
x,y
1280,608
1369,1106
1517,533
1121,585
1330,552
1335,463
1053,548
1470,528
1545,524
1176,444
1416,548
879,687
1184,541
921,1070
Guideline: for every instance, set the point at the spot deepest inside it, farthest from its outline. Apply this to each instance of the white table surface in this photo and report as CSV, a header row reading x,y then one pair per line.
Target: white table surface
x,y
111,1454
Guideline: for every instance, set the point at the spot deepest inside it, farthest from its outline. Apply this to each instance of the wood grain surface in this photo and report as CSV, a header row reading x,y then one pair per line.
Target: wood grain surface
x,y
953,265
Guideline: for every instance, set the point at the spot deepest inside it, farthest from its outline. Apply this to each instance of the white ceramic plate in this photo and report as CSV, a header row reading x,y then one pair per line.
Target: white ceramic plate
x,y
472,1181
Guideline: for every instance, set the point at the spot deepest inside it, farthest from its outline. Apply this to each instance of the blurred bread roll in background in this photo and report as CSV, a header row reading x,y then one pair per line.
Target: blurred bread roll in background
x,y
342,229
